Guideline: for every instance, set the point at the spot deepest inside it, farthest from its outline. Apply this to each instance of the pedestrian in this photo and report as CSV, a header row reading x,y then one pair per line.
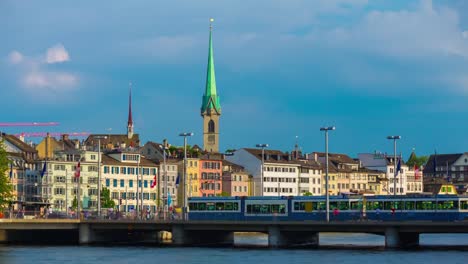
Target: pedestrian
x,y
335,213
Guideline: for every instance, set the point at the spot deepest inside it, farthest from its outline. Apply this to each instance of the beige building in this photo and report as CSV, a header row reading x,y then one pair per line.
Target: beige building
x,y
235,180
122,173
59,186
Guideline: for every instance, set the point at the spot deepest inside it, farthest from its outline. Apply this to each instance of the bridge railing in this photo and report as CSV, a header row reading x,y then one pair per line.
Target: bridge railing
x,y
91,215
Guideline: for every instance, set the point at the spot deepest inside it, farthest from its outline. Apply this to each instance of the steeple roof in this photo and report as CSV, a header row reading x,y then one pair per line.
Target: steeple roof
x,y
130,119
210,98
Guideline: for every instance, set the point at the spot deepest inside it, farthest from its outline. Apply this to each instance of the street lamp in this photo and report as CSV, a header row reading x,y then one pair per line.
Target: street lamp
x,y
184,209
165,192
99,174
263,146
327,194
394,161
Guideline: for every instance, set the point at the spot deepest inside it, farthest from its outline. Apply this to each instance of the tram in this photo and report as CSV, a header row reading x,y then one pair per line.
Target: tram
x,y
342,208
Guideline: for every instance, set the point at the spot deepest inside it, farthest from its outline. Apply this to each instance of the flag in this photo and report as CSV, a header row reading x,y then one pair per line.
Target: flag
x,y
416,172
177,181
78,170
44,169
153,184
398,168
11,170
169,199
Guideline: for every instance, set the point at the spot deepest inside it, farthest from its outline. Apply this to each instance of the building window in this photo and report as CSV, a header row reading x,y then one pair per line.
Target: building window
x,y
92,168
211,126
145,184
93,157
106,169
130,183
107,183
115,182
122,183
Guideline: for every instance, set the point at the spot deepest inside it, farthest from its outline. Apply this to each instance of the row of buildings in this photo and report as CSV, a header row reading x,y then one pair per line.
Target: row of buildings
x,y
151,174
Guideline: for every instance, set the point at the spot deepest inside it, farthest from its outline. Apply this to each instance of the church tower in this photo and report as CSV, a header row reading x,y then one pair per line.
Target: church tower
x,y
210,109
130,119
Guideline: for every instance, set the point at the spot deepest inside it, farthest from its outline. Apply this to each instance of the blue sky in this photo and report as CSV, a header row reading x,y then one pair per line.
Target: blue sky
x,y
283,69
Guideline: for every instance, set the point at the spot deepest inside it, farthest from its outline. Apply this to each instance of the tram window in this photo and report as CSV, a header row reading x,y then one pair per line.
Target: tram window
x,y
343,205
410,205
235,206
282,208
333,205
265,209
210,206
193,206
275,208
297,205
424,205
374,205
356,205
256,208
464,205
249,209
398,205
201,206
447,205
219,206
319,206
228,206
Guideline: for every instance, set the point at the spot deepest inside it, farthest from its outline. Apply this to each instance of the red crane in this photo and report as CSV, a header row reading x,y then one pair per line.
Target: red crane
x,y
52,134
28,124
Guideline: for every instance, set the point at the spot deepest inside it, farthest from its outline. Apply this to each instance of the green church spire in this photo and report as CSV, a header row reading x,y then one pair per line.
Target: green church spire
x,y
210,99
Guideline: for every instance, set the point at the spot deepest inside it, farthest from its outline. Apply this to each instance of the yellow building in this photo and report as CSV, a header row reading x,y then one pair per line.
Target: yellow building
x,y
46,148
192,174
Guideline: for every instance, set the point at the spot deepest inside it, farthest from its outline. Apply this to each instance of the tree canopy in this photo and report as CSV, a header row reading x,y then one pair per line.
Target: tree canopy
x,y
415,160
6,188
106,201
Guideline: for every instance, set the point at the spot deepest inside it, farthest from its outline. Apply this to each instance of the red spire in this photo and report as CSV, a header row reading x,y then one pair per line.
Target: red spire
x,y
130,119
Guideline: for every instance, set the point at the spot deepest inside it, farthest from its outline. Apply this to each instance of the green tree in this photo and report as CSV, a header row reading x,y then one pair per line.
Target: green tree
x,y
307,194
106,201
6,189
415,160
74,203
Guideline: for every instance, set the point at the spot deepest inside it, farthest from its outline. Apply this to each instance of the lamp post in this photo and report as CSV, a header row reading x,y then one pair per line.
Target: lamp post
x,y
163,147
327,194
99,174
263,146
184,209
394,138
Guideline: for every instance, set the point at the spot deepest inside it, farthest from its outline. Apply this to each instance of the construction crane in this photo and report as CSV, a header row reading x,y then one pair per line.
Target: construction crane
x,y
52,134
28,124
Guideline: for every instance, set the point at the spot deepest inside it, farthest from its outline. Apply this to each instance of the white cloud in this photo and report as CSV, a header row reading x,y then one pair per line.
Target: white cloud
x,y
15,57
422,32
57,54
35,75
51,80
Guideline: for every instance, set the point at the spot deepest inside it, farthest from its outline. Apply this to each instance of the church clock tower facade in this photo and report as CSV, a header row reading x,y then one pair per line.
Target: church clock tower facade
x,y
210,109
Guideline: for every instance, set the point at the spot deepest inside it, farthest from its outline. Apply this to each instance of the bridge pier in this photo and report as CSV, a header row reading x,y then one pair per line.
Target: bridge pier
x,y
278,238
86,234
396,239
183,237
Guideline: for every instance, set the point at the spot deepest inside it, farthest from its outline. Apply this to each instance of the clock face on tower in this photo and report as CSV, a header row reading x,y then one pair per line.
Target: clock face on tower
x,y
211,139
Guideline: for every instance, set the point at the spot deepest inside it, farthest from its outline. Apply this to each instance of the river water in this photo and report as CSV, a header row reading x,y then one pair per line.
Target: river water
x,y
335,248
